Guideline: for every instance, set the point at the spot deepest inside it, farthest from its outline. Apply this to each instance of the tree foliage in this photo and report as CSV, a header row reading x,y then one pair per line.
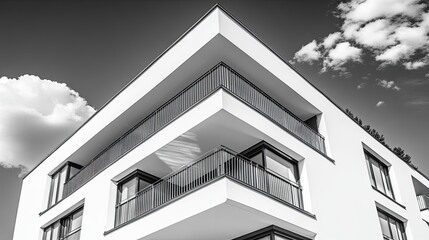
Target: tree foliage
x,y
398,151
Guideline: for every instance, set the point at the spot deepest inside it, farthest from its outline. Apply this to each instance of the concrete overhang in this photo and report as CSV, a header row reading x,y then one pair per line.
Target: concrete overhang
x,y
222,210
217,37
227,127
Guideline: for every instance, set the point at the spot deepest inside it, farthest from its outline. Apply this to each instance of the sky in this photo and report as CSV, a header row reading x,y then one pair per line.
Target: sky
x,y
61,61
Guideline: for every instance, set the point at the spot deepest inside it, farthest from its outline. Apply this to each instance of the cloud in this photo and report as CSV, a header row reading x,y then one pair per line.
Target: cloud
x,y
308,53
392,32
388,85
366,10
342,53
331,39
361,85
380,104
394,54
349,29
412,36
416,82
427,75
377,34
419,101
414,65
35,116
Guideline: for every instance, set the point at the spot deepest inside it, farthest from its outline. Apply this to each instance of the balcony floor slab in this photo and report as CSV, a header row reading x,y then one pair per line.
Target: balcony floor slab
x,y
223,209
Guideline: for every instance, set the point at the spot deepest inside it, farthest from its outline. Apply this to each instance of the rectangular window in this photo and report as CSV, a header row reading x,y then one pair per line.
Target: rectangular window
x,y
59,178
273,160
392,228
280,166
379,175
130,199
67,228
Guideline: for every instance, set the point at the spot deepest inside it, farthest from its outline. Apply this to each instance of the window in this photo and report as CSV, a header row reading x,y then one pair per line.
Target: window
x,y
391,227
273,160
59,178
67,228
128,189
279,165
379,175
271,233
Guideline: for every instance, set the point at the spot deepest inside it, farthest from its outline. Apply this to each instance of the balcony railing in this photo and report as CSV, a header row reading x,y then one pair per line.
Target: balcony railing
x,y
219,163
221,76
423,201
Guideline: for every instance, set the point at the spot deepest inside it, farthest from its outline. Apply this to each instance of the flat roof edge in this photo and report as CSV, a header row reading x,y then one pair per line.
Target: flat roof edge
x,y
216,6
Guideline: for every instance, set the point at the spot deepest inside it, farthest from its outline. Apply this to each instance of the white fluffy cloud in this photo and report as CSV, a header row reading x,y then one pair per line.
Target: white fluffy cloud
x,y
367,10
377,34
331,39
308,53
395,32
393,54
35,116
388,85
342,53
415,65
380,104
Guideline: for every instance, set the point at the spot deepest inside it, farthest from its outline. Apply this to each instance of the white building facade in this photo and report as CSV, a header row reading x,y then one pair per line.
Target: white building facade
x,y
219,138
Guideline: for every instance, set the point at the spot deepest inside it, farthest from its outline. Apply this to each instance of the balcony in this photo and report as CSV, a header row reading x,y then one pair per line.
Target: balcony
x,y
219,77
423,201
219,163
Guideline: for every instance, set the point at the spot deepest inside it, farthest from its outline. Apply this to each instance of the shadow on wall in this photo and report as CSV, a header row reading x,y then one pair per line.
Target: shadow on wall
x,y
180,151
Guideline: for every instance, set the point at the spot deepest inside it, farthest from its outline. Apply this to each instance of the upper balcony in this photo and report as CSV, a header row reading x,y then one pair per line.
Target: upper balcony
x,y
219,77
221,162
422,193
423,201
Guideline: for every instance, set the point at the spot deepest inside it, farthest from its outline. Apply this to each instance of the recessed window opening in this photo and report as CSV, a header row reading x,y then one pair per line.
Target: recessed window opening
x,y
58,179
67,228
379,175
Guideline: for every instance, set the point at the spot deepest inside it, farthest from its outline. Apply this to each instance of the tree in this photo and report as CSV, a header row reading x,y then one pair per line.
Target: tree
x,y
398,151
380,137
407,158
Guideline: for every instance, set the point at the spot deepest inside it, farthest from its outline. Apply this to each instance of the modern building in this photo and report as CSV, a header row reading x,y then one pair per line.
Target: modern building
x,y
219,138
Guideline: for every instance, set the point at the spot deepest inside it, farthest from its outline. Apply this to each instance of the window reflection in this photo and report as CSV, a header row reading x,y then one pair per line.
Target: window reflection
x,y
67,228
379,175
391,227
59,179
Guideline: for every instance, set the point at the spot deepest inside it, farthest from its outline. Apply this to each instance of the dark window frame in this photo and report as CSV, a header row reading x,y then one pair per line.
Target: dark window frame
x,y
52,176
136,174
261,146
62,221
147,177
390,217
272,231
383,168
